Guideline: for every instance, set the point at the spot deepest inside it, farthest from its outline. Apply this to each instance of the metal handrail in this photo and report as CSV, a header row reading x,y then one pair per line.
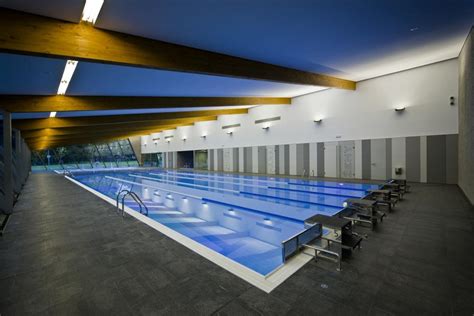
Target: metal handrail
x,y
68,173
135,197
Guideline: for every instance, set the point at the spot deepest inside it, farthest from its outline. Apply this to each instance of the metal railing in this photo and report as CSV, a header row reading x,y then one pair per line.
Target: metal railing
x,y
68,173
135,197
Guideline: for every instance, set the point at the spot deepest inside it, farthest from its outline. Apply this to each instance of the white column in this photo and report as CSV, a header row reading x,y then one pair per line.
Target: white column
x,y
313,159
7,162
271,160
216,162
293,159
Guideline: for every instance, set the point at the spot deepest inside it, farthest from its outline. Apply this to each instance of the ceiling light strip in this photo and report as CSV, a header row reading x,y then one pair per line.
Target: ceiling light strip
x,y
67,76
91,10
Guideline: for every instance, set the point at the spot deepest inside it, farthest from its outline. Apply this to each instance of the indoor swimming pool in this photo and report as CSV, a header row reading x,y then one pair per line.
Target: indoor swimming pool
x,y
244,218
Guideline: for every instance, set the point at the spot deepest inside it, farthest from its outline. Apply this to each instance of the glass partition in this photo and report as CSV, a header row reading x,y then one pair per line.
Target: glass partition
x,y
87,156
153,160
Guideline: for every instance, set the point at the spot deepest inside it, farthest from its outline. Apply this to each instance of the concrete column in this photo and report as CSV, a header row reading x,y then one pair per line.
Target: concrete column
x,y
19,163
7,162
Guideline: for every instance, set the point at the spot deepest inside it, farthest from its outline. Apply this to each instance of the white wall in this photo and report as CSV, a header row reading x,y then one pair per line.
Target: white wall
x,y
366,113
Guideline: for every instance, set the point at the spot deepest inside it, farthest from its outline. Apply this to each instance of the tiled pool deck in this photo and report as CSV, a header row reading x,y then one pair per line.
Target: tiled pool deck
x,y
65,251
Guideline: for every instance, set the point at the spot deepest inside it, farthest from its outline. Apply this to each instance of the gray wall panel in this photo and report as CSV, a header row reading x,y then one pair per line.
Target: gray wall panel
x,y
320,159
211,159
466,118
452,159
277,159
306,158
299,159
287,159
235,159
388,155
436,159
366,160
412,157
220,159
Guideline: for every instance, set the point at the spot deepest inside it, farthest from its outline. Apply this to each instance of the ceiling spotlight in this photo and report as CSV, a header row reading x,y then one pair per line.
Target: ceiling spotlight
x,y
266,127
155,141
230,132
184,138
203,136
168,140
319,120
400,109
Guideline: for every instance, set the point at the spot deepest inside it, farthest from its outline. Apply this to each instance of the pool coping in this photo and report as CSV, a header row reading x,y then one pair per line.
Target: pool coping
x,y
265,283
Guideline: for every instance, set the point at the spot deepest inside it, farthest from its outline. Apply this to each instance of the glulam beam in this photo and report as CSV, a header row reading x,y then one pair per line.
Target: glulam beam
x,y
98,129
62,103
162,118
29,34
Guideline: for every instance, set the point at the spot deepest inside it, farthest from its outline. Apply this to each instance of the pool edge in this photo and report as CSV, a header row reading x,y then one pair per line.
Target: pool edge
x,y
267,284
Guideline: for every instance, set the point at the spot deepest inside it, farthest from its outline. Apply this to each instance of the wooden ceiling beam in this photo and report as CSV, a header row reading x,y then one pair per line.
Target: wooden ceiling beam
x,y
45,144
142,131
30,34
165,118
97,129
61,103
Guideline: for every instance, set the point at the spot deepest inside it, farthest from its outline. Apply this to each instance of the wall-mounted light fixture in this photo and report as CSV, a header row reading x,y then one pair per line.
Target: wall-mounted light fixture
x,y
451,101
168,140
230,132
267,221
203,136
266,127
144,144
318,120
184,138
156,142
400,109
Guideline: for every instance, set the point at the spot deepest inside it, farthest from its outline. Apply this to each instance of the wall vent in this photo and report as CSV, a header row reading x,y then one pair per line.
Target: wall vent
x,y
271,119
230,126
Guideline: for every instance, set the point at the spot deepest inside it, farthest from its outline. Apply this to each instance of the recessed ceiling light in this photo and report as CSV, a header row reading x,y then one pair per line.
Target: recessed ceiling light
x,y
91,10
67,75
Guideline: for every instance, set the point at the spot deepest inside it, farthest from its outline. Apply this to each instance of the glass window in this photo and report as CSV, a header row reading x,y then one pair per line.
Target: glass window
x,y
107,155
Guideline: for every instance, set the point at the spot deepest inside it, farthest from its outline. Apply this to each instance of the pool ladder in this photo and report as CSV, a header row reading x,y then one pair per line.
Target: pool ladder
x,y
135,197
68,173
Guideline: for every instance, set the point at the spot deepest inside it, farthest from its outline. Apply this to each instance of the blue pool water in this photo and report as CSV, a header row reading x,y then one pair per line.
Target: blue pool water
x,y
244,218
